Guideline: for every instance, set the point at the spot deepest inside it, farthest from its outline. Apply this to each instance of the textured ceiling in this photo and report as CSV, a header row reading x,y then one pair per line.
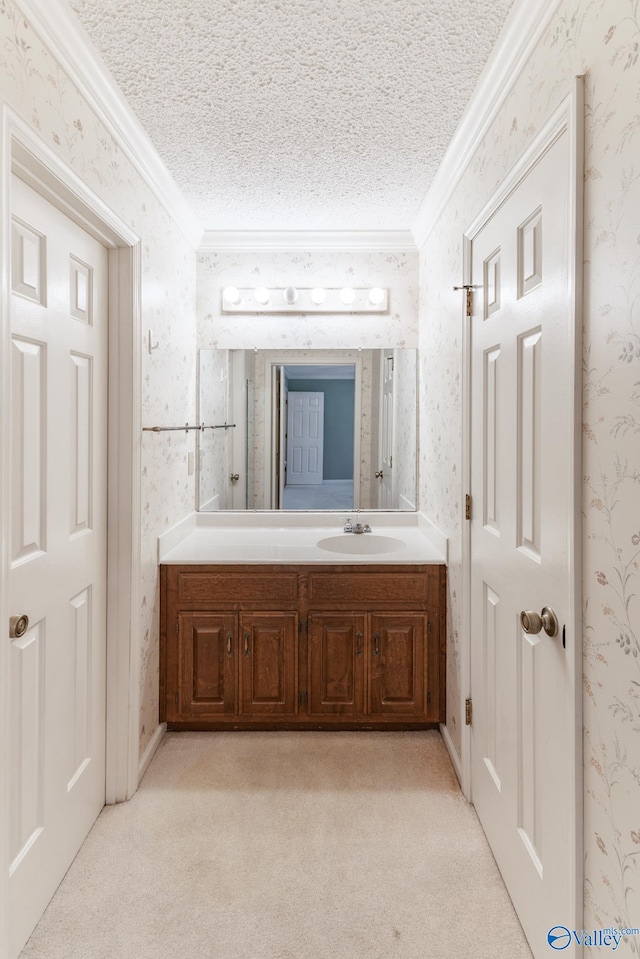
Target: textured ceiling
x,y
297,114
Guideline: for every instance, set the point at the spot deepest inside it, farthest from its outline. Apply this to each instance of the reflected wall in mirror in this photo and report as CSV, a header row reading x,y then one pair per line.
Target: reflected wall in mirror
x,y
307,429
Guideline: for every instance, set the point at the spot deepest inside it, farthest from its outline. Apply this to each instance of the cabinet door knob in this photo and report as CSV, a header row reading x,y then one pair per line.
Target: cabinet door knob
x,y
246,644
376,643
358,643
229,643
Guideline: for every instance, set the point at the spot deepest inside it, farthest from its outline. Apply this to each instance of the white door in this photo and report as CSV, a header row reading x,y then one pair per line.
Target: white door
x,y
522,430
58,548
305,438
384,473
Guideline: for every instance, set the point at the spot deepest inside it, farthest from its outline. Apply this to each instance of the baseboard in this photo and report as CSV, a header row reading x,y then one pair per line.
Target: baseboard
x,y
149,752
453,753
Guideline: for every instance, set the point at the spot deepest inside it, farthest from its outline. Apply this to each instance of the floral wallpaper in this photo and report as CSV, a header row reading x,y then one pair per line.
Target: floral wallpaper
x,y
600,39
213,380
397,328
41,93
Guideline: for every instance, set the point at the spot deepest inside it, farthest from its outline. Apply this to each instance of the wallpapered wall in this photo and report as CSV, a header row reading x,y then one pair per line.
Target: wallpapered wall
x,y
41,93
397,271
599,38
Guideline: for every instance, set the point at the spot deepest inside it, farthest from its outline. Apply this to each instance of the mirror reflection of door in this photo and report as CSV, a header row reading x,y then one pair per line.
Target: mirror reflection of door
x,y
305,439
320,437
237,465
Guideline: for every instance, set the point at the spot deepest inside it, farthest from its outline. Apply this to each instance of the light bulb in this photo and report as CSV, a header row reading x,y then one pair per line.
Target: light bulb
x,y
261,294
231,294
376,296
318,295
290,295
347,295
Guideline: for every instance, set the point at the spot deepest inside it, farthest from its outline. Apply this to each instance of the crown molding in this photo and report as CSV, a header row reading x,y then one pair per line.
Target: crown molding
x,y
63,34
521,33
284,241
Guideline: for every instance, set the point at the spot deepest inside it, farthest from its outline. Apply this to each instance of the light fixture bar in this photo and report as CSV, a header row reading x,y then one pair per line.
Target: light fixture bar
x,y
290,299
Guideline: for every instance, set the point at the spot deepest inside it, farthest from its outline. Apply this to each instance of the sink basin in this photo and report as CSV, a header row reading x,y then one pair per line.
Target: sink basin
x,y
361,544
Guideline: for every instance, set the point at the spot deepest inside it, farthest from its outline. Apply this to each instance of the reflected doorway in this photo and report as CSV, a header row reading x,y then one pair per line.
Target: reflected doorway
x,y
314,422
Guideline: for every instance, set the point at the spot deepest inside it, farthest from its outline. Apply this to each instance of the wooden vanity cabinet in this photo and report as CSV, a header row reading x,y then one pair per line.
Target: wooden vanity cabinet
x,y
311,647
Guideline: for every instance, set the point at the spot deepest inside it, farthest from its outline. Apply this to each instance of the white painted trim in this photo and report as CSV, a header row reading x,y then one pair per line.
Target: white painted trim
x,y
63,34
521,34
569,118
348,241
151,749
125,511
465,637
577,133
453,753
5,525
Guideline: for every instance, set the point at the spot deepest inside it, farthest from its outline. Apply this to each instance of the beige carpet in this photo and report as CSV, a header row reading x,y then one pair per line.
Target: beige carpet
x,y
294,845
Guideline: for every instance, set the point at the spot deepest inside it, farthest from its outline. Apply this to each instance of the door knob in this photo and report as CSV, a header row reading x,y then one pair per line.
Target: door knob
x,y
18,625
532,622
235,477
379,474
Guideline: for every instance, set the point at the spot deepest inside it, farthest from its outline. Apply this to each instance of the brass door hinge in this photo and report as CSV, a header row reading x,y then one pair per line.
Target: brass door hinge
x,y
468,288
468,504
468,710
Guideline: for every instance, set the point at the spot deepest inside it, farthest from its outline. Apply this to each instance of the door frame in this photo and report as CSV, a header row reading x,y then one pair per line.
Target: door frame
x,y
23,152
273,358
568,118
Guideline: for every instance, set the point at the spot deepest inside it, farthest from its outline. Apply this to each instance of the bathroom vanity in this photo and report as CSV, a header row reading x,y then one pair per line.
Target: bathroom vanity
x,y
331,639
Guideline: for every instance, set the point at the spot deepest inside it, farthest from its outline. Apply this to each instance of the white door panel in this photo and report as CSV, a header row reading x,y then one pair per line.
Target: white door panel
x,y
522,429
305,438
58,548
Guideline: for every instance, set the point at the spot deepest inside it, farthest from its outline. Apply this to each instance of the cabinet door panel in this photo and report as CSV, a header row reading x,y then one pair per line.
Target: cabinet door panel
x,y
336,664
208,664
269,668
397,666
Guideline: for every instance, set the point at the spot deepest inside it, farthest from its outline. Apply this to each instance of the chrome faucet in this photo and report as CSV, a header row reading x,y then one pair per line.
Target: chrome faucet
x,y
358,528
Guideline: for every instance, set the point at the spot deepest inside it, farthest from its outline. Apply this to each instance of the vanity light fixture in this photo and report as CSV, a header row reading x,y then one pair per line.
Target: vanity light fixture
x,y
290,295
318,295
347,295
292,299
231,294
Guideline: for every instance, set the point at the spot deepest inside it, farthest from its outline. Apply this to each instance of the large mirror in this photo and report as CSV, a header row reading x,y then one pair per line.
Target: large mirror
x,y
307,429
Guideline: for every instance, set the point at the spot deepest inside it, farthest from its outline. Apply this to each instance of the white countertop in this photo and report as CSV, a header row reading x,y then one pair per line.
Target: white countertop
x,y
208,540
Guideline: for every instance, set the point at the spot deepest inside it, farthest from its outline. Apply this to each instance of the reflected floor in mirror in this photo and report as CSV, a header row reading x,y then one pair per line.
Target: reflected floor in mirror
x,y
337,494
